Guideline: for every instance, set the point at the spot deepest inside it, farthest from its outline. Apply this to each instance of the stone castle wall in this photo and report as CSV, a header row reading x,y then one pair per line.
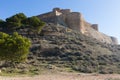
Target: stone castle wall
x,y
75,21
65,17
48,17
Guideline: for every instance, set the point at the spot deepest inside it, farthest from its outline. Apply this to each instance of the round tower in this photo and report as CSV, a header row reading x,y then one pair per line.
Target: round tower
x,y
114,40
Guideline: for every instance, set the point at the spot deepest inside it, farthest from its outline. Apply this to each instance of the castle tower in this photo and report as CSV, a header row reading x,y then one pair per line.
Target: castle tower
x,y
95,26
74,20
114,40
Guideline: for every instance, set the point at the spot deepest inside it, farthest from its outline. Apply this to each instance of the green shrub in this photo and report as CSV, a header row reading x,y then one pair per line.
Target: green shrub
x,y
2,23
20,20
14,47
15,21
34,23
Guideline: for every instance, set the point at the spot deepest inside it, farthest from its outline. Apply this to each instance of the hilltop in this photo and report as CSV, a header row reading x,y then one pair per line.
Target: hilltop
x,y
62,49
76,21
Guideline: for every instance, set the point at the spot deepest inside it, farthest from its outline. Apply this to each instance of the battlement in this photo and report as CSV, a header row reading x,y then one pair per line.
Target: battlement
x,y
75,21
62,11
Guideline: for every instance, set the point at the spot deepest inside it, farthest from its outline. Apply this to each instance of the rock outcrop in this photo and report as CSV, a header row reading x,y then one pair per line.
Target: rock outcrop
x,y
75,21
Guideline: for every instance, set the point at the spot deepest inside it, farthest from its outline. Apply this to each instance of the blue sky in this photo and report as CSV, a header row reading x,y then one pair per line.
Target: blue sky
x,y
106,13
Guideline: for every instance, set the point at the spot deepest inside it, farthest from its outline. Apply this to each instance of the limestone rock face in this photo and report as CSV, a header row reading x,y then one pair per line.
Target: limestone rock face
x,y
75,21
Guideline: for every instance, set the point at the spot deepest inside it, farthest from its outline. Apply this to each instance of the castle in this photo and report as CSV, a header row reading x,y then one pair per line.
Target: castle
x,y
75,21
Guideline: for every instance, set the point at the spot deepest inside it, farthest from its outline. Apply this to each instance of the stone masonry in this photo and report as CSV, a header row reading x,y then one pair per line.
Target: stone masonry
x,y
75,21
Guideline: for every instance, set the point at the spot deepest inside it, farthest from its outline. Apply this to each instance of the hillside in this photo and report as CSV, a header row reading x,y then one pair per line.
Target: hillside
x,y
60,49
65,48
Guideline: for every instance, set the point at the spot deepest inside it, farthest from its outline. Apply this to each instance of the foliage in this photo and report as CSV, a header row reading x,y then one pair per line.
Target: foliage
x,y
20,20
1,20
13,47
35,23
19,16
2,23
15,20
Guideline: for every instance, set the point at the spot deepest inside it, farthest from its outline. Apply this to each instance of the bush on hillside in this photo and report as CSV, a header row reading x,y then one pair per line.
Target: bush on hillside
x,y
2,23
15,21
34,23
20,20
14,48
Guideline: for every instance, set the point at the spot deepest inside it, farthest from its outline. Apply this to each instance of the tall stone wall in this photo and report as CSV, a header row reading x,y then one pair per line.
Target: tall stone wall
x,y
48,17
73,21
65,11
